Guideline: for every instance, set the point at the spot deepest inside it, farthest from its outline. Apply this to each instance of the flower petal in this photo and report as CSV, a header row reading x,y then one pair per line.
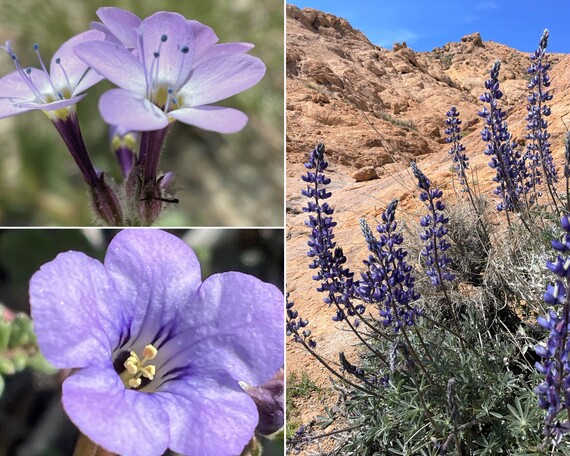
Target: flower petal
x,y
221,78
14,86
222,49
54,105
122,421
122,24
75,316
208,417
173,65
234,326
204,38
155,274
131,111
212,118
8,108
71,69
115,63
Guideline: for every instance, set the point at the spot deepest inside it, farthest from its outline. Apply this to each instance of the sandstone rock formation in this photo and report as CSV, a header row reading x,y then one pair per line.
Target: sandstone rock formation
x,y
376,108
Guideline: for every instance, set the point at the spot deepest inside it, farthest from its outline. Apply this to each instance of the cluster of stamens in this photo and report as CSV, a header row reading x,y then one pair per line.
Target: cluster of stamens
x,y
136,368
165,99
26,76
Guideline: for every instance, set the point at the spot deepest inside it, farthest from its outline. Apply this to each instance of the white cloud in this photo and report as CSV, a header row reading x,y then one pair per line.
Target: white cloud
x,y
487,5
386,38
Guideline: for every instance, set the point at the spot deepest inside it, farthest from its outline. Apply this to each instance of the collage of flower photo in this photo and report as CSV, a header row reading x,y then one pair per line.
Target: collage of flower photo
x,y
142,242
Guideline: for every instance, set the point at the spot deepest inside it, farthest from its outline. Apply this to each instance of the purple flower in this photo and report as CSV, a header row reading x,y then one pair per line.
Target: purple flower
x,y
157,353
554,392
388,282
435,233
55,92
505,158
174,73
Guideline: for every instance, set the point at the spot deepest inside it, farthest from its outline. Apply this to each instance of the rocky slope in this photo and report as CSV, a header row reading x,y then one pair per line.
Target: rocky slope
x,y
379,108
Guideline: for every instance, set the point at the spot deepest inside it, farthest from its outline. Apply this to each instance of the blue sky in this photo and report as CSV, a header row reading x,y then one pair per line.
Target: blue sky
x,y
426,24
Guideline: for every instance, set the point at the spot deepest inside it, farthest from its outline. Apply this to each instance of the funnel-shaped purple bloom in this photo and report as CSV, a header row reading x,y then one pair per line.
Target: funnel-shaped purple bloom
x,y
175,72
53,92
158,354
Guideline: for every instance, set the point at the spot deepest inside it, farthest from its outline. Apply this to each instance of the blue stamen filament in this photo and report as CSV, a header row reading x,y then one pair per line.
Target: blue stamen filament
x,y
58,62
24,74
55,91
154,69
184,50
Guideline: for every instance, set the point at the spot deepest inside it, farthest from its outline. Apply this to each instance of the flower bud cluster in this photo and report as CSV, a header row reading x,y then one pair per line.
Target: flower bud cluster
x,y
554,392
328,260
435,233
505,158
388,282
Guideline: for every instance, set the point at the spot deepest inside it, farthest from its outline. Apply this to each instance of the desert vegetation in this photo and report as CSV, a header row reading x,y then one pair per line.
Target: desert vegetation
x,y
462,324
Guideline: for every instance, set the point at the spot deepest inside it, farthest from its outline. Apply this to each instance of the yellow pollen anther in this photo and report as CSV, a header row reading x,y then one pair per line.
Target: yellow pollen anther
x,y
149,352
136,368
135,382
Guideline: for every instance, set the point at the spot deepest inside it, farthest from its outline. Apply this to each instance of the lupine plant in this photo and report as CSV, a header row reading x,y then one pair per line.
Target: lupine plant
x,y
506,160
553,392
167,68
493,382
538,145
421,386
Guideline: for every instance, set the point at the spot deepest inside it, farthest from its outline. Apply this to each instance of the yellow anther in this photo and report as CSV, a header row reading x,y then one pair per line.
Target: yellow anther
x,y
135,382
131,367
148,371
149,352
136,368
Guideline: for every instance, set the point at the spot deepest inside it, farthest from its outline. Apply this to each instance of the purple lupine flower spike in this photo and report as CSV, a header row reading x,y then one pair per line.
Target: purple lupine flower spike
x,y
157,354
435,234
505,158
554,392
453,132
538,145
328,260
388,282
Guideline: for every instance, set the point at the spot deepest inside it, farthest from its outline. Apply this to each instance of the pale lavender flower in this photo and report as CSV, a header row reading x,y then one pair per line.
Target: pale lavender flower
x,y
157,353
54,92
175,72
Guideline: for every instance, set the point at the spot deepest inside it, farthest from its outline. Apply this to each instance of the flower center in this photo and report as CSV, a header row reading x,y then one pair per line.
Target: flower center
x,y
163,94
136,368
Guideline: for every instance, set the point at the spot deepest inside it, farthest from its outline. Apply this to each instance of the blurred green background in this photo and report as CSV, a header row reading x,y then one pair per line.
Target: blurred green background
x,y
221,180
